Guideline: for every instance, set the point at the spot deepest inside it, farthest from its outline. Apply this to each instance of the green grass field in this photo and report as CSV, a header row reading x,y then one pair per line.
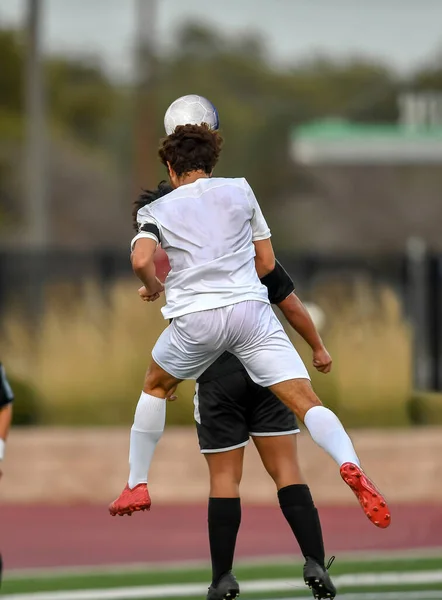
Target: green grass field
x,y
408,578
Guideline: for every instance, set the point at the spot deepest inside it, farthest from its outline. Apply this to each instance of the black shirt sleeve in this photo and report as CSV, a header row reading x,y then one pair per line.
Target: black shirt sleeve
x,y
6,395
278,283
151,228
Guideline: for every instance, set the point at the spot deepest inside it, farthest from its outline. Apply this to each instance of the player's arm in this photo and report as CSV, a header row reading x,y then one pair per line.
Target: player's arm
x,y
281,292
144,267
299,318
144,245
6,399
264,255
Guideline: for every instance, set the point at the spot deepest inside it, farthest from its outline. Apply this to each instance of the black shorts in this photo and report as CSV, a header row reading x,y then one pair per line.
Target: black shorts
x,y
230,409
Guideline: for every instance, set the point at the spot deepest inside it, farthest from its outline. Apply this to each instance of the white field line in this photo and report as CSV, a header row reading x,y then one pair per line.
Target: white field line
x,y
283,559
263,585
425,595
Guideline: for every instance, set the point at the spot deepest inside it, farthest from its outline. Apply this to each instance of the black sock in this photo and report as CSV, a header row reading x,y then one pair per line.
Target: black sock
x,y
298,508
224,518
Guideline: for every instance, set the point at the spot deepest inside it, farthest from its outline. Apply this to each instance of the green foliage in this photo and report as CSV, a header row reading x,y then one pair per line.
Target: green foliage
x,y
258,103
80,97
425,408
27,403
11,71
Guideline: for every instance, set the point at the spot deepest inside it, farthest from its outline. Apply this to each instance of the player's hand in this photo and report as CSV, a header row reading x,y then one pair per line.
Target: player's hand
x,y
150,295
322,360
171,397
146,296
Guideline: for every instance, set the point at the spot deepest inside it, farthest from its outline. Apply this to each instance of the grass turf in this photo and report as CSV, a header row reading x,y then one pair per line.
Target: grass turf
x,y
109,579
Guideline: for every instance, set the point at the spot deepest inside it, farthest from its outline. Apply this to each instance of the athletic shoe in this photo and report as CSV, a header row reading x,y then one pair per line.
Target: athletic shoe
x,y
226,589
318,580
372,501
131,500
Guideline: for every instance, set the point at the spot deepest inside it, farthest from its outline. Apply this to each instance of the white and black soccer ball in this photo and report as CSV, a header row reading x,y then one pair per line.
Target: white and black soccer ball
x,y
190,110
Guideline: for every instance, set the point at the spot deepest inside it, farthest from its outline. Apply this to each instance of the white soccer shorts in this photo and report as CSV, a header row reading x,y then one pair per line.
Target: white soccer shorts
x,y
250,330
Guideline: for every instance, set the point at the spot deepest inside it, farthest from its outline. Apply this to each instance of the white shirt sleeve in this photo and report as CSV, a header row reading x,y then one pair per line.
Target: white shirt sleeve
x,y
148,227
260,229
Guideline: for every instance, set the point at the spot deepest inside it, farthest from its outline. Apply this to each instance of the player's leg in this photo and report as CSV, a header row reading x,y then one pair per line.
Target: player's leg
x,y
279,457
274,429
327,431
145,433
222,436
272,361
322,424
224,519
183,351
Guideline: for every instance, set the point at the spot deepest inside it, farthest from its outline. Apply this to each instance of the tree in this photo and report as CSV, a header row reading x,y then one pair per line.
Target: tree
x,y
11,65
81,97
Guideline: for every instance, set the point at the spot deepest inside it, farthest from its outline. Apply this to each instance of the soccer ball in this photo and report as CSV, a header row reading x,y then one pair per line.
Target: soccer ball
x,y
190,110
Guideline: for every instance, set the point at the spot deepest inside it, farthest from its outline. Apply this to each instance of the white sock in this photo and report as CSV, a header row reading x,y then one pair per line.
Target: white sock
x,y
327,431
148,427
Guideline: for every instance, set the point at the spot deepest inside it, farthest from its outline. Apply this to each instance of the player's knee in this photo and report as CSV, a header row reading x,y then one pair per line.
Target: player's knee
x,y
298,395
225,483
312,400
158,383
308,401
224,488
285,474
154,388
283,479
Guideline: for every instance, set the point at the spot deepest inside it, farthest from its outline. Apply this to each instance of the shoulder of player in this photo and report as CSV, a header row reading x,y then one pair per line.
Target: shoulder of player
x,y
192,191
240,182
149,209
198,188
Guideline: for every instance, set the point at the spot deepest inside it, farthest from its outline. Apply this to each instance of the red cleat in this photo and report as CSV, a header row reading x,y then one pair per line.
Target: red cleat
x,y
131,500
373,503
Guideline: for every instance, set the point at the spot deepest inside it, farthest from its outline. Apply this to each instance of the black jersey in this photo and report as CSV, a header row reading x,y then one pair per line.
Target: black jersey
x,y
279,285
6,395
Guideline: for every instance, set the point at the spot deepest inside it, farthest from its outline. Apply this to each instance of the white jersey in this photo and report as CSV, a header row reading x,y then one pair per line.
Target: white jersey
x,y
207,229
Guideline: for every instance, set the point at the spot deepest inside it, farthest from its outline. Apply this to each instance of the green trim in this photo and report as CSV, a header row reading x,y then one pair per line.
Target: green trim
x,y
341,130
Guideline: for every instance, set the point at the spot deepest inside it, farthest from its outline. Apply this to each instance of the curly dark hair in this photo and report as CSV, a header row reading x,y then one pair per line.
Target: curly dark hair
x,y
147,197
191,148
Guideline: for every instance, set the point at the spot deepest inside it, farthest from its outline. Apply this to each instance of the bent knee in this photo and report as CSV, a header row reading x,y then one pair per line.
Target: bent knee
x,y
298,395
159,383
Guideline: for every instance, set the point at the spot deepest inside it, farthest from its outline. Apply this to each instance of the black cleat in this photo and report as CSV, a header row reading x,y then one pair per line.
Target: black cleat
x,y
318,580
226,589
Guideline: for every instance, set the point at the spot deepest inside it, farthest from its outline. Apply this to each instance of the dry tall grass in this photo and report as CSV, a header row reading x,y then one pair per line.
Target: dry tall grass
x,y
371,345
90,355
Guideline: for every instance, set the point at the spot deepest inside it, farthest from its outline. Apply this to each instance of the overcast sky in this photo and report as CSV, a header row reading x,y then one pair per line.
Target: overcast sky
x,y
402,32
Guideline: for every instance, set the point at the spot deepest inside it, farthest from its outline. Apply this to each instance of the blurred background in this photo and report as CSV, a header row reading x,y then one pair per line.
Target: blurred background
x,y
333,112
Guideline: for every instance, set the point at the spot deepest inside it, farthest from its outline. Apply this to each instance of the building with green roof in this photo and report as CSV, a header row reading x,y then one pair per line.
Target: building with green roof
x,y
339,142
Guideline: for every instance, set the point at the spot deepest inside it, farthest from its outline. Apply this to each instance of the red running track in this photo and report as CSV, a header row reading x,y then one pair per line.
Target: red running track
x,y
42,536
